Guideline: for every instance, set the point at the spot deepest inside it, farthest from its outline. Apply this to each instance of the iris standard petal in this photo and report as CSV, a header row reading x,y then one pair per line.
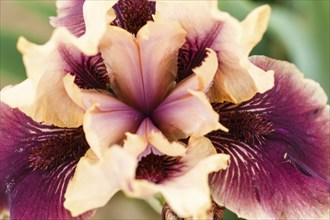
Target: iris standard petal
x,y
70,15
37,162
144,80
236,79
279,147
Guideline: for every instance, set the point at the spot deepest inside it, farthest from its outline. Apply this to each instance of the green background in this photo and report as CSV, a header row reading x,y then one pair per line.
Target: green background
x,y
298,32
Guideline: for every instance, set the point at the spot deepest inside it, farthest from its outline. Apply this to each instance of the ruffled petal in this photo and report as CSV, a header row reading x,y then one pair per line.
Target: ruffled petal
x,y
144,80
46,66
70,15
279,147
97,16
187,111
37,162
237,79
185,181
97,180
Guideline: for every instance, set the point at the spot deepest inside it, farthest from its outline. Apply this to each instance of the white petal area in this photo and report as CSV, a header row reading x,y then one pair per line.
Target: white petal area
x,y
143,69
97,15
96,180
187,193
237,79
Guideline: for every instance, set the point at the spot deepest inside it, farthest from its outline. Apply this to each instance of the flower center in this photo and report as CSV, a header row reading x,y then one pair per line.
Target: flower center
x,y
58,147
249,127
133,14
156,168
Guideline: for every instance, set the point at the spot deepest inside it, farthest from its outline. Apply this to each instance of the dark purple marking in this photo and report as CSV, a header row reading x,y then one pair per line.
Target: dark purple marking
x,y
132,15
193,52
279,147
70,15
156,169
36,163
90,71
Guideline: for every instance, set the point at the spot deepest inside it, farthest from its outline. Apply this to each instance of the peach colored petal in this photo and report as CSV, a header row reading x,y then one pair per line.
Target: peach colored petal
x,y
139,78
237,79
96,180
187,112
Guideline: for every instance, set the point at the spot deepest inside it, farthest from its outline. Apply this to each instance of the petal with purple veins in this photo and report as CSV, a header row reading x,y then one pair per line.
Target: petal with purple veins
x,y
237,79
37,162
46,67
70,15
279,147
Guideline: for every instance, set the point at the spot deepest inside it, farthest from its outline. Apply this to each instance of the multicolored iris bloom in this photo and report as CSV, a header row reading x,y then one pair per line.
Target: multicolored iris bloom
x,y
161,98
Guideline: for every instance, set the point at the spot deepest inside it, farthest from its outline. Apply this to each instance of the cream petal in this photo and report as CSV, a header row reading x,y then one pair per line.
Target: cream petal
x,y
46,68
97,15
190,184
237,79
96,180
142,75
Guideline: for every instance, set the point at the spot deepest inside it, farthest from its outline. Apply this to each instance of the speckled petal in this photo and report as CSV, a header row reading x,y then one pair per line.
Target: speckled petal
x,y
279,147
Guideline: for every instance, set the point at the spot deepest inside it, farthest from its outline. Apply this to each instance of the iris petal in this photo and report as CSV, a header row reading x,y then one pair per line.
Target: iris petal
x,y
279,145
39,158
70,15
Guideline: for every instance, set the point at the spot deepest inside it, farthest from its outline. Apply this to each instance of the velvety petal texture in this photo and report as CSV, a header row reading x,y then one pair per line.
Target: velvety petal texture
x,y
36,164
237,79
70,15
279,147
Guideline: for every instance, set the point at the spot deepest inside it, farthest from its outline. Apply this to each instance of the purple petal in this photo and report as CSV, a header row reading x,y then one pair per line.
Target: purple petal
x,y
37,162
70,15
279,147
89,71
157,168
133,14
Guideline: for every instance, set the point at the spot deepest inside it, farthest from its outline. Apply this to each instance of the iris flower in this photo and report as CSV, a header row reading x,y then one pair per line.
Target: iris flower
x,y
155,97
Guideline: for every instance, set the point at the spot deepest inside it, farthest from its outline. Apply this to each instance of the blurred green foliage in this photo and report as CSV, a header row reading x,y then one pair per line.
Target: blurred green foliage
x,y
298,32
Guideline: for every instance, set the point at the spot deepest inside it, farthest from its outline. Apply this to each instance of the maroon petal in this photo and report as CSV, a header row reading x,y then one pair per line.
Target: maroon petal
x,y
70,15
89,71
131,15
37,162
279,145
